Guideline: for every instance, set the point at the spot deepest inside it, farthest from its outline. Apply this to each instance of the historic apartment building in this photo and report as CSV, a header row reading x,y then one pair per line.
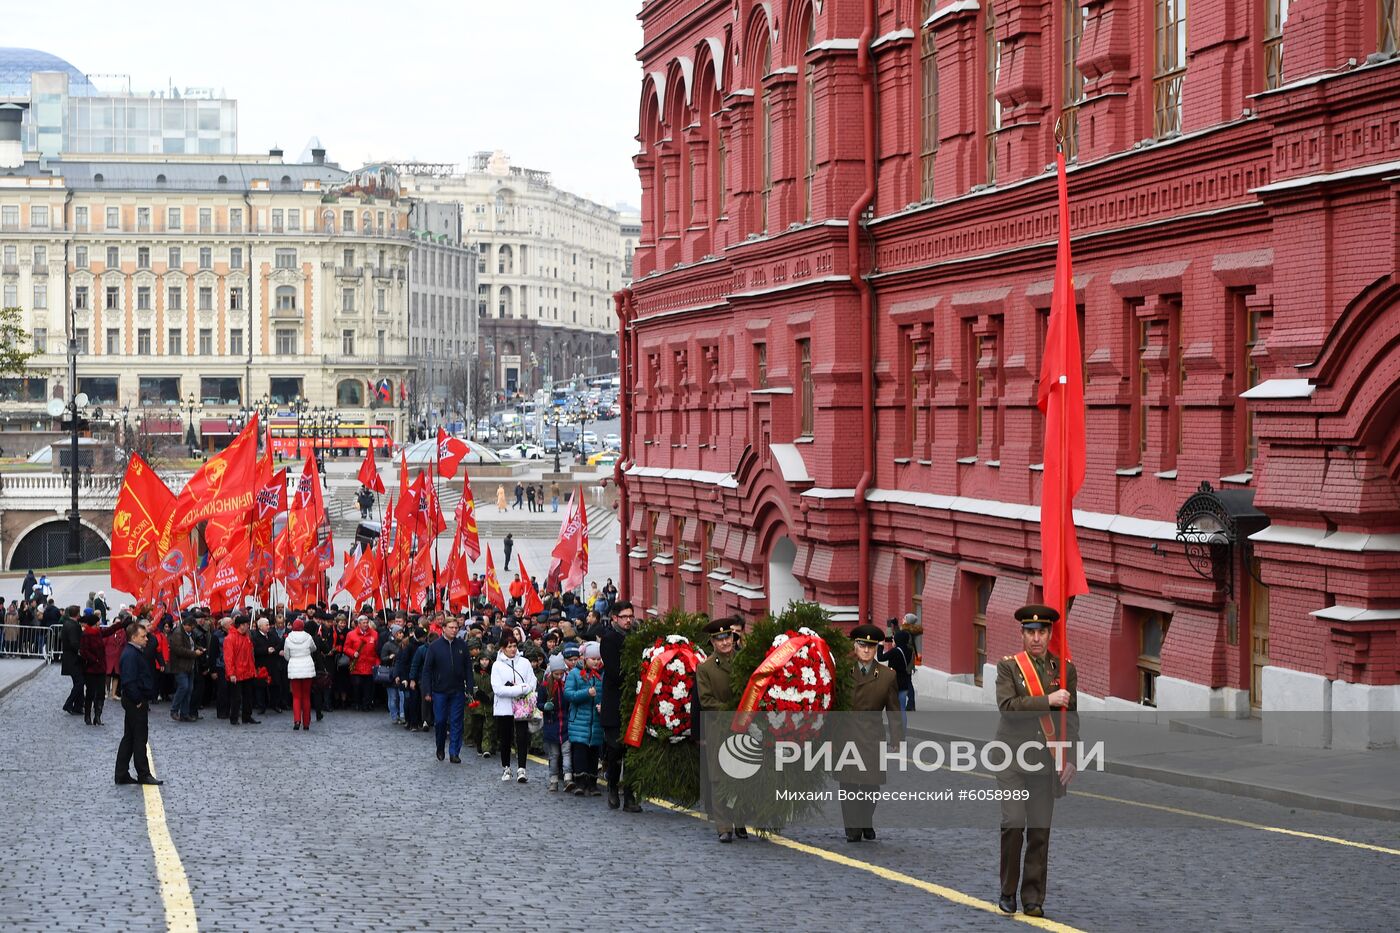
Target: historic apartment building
x,y
218,283
847,414
442,317
548,263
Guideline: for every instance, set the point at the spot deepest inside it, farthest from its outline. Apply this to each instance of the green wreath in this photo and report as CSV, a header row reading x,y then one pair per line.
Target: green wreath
x,y
755,800
659,767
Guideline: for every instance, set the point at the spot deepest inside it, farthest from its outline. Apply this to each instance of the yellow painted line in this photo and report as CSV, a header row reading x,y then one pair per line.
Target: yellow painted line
x,y
1229,821
174,884
1246,824
889,874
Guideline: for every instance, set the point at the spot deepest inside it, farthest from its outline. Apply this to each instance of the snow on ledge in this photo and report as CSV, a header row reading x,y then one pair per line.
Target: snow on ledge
x,y
1281,388
1356,614
790,463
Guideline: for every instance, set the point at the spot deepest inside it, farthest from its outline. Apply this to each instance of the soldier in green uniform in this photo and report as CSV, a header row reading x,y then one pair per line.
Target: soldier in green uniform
x,y
1032,687
715,691
876,690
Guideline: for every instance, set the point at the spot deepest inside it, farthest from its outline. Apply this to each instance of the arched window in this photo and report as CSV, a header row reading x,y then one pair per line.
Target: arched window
x,y
286,298
367,222
765,132
328,221
350,393
286,181
505,261
505,302
808,82
928,104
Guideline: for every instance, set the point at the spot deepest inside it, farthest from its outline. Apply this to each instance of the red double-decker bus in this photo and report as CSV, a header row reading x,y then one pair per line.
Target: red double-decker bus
x,y
290,441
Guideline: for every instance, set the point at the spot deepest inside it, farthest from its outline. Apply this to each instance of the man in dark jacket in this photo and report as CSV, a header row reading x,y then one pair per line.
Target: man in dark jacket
x,y
27,588
138,682
72,663
403,664
447,678
610,644
184,654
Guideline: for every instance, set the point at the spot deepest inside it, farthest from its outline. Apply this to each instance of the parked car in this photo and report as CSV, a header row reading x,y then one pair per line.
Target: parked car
x,y
612,441
521,452
590,438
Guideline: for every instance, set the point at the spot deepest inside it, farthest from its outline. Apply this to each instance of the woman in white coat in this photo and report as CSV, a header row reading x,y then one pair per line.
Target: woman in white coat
x,y
512,679
301,671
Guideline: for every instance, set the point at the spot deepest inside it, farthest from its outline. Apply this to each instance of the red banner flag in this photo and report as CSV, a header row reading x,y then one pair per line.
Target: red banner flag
x,y
570,563
369,472
223,484
493,585
420,577
460,588
532,604
450,451
466,525
1061,398
137,522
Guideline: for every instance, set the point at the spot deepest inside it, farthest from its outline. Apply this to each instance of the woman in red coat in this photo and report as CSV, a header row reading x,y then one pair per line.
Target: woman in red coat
x,y
115,644
240,671
93,650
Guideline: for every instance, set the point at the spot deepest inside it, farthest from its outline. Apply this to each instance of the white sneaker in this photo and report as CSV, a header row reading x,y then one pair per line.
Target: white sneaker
x,y
505,775
519,775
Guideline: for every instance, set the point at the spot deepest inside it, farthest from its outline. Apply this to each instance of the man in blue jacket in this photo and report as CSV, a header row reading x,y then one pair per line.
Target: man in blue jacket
x,y
447,678
138,682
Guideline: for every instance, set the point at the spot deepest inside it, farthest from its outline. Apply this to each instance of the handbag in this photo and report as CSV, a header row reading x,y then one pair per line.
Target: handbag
x,y
384,673
342,661
524,707
536,722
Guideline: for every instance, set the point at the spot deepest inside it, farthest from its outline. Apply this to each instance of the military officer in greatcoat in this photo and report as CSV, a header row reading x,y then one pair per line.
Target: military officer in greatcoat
x,y
715,692
1032,688
876,690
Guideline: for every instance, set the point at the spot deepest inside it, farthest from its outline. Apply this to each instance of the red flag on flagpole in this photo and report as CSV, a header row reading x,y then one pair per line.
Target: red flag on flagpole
x,y
1061,399
223,484
493,585
532,603
451,450
137,522
369,472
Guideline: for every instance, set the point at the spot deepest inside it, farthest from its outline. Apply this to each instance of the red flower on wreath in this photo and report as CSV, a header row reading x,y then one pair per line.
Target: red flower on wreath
x,y
670,699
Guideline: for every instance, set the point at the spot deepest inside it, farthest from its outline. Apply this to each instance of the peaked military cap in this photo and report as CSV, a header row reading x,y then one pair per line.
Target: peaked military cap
x,y
1036,616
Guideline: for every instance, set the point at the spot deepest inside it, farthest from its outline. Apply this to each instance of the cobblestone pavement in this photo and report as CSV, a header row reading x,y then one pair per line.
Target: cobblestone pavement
x,y
356,826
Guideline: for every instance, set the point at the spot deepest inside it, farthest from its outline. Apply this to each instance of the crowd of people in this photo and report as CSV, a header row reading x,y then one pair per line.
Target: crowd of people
x,y
480,681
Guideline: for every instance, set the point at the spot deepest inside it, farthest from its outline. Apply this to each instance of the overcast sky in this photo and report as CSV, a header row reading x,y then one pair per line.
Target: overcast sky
x,y
554,83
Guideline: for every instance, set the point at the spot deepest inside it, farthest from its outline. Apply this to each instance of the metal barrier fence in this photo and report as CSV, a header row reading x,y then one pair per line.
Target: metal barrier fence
x,y
31,641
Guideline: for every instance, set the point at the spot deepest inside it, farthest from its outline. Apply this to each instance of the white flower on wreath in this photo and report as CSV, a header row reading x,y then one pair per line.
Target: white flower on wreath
x,y
808,676
677,640
678,666
666,708
679,692
824,673
780,639
806,631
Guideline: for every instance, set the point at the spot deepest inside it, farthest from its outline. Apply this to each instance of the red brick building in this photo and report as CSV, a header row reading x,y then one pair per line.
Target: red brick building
x,y
839,405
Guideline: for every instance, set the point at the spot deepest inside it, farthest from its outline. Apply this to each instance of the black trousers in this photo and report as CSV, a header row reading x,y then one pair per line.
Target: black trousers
x,y
612,756
506,728
94,694
220,694
363,685
260,695
1025,825
75,695
135,732
240,701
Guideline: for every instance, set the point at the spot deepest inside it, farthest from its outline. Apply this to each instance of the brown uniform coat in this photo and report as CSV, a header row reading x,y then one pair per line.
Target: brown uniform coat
x,y
876,692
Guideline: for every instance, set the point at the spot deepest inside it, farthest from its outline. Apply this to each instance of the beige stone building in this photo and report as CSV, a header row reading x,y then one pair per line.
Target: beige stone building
x,y
217,284
548,262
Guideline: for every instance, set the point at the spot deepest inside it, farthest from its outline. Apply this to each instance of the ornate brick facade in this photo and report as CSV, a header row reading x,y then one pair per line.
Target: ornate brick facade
x,y
1235,203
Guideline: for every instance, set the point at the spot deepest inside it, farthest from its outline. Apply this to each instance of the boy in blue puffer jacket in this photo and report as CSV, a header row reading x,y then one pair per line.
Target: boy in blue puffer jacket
x,y
583,689
551,702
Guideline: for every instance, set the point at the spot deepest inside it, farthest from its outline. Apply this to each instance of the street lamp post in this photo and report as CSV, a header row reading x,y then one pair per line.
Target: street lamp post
x,y
190,406
556,441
